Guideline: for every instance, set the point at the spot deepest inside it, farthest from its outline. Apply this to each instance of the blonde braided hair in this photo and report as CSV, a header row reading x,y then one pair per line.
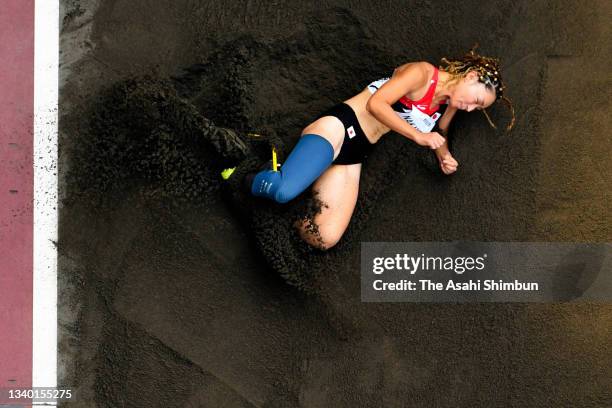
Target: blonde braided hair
x,y
488,69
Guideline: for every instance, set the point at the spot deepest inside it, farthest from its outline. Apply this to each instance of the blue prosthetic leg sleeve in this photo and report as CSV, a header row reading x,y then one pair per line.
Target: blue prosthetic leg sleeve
x,y
306,162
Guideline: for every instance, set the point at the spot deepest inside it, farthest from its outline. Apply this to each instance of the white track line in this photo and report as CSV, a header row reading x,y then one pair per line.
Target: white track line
x,y
46,54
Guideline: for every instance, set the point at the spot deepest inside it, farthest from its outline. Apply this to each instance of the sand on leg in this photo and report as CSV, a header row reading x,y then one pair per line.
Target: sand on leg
x,y
337,188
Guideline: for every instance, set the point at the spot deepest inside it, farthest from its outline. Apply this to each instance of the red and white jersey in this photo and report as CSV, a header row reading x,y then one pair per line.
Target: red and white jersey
x,y
420,114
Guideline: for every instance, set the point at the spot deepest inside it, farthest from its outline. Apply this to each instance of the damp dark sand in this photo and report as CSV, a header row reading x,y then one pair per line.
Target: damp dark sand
x,y
176,293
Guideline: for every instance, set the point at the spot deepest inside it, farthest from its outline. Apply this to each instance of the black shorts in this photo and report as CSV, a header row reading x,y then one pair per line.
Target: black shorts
x,y
356,146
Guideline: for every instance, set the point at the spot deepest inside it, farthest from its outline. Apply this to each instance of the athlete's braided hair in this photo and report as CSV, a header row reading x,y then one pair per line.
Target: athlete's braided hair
x,y
488,70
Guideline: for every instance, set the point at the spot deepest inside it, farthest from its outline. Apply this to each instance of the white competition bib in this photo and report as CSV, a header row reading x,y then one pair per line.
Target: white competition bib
x,y
420,120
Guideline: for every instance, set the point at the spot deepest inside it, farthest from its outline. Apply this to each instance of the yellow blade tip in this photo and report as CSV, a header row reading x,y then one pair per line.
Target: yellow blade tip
x,y
227,173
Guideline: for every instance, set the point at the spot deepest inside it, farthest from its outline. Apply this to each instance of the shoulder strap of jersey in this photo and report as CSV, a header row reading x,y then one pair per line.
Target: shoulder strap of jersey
x,y
432,88
428,95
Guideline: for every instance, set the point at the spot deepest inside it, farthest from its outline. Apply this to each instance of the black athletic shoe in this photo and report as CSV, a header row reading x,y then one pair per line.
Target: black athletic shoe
x,y
235,191
247,182
236,179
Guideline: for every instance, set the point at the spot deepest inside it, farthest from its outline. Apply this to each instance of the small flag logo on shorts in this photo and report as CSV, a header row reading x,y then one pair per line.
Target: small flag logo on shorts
x,y
351,132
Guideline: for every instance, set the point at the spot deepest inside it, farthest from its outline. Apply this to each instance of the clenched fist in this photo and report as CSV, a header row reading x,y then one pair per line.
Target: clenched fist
x,y
448,164
433,140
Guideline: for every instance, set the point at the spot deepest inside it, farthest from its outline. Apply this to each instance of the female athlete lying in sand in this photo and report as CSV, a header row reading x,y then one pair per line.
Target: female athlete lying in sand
x,y
332,148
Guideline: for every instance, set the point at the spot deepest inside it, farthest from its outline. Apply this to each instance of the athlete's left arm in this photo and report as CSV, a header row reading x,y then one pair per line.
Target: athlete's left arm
x,y
443,125
448,164
446,118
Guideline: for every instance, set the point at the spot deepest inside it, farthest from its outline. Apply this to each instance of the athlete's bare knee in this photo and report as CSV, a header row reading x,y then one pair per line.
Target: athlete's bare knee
x,y
329,239
326,245
319,243
311,234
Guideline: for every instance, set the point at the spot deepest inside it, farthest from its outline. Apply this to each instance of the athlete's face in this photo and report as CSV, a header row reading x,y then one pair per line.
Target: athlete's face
x,y
470,94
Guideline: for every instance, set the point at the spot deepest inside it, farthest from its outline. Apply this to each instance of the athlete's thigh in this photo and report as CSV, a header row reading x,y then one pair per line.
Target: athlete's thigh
x,y
338,188
330,128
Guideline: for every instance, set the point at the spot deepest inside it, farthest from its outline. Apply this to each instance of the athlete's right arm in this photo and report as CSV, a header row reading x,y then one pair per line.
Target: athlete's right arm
x,y
412,77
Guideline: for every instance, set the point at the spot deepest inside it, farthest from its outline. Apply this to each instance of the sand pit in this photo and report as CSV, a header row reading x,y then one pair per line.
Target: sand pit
x,y
180,292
